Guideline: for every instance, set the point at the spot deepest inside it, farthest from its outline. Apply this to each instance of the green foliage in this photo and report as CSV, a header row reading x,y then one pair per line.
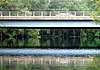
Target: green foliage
x,y
96,62
69,5
27,5
45,32
96,7
4,4
33,32
90,42
90,32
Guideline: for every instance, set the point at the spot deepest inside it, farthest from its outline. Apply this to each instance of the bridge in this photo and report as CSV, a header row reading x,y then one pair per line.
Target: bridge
x,y
35,16
47,15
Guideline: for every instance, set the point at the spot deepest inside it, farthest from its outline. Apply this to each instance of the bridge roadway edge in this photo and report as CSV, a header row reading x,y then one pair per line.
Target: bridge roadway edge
x,y
46,18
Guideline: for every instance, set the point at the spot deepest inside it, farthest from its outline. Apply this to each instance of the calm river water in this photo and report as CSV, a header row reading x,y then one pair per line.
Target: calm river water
x,y
50,62
54,42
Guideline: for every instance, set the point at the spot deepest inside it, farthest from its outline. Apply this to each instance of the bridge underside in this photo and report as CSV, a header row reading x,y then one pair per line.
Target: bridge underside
x,y
48,23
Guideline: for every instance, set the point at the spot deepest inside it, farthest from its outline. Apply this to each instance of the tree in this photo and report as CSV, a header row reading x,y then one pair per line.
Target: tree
x,y
96,7
27,5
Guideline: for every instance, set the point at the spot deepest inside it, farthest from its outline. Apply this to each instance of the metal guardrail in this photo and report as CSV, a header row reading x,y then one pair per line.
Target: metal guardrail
x,y
47,13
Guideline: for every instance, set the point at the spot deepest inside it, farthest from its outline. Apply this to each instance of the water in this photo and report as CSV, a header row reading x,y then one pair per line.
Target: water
x,y
47,53
35,58
48,24
49,63
54,42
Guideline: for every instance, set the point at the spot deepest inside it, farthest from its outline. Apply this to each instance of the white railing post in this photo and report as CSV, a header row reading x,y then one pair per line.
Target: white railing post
x,y
9,13
1,13
33,13
41,13
75,13
50,13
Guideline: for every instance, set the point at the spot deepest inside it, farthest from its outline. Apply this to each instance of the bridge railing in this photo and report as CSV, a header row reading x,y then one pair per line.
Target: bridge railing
x,y
48,13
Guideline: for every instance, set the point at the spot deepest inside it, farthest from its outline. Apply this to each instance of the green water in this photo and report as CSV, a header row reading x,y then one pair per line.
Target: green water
x,y
54,42
49,38
49,63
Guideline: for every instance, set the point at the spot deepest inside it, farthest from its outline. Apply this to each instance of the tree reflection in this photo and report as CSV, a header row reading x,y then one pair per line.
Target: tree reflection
x,y
72,63
53,42
90,42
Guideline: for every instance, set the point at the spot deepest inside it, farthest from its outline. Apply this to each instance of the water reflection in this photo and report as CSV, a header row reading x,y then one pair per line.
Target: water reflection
x,y
54,42
90,42
49,63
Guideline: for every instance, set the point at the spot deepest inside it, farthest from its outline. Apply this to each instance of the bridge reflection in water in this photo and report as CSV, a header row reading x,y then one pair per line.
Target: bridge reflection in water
x,y
46,61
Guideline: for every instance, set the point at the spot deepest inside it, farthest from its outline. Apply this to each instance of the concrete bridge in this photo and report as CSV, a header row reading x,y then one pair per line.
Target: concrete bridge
x,y
47,15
